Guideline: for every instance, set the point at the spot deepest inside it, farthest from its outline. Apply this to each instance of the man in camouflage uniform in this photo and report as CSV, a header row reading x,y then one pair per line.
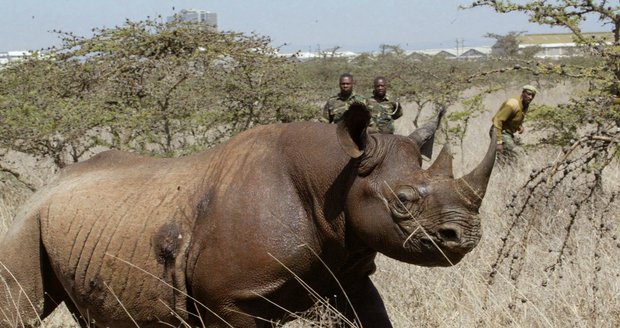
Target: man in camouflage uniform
x,y
509,118
338,104
383,110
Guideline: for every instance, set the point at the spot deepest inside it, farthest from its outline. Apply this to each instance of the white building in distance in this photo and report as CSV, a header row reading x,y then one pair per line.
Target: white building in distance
x,y
560,45
196,15
11,56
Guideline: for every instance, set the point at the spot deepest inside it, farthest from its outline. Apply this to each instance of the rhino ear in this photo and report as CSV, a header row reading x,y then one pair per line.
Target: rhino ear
x,y
351,130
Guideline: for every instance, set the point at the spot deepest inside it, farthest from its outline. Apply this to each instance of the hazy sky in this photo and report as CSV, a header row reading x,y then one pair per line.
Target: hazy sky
x,y
356,25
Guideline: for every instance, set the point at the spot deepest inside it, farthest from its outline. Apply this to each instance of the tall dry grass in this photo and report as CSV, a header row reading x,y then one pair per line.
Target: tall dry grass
x,y
489,288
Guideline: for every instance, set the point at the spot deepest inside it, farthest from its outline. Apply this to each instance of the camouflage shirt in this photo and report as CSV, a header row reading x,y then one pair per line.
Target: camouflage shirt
x,y
383,112
337,105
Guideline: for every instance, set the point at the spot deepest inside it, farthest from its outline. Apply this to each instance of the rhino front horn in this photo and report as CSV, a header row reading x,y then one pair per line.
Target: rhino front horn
x,y
476,181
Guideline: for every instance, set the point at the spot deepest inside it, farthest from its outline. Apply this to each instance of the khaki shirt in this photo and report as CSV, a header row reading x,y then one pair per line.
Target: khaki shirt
x,y
509,117
383,112
337,105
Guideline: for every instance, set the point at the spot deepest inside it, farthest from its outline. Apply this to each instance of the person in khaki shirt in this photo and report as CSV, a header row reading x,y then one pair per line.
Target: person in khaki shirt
x,y
509,118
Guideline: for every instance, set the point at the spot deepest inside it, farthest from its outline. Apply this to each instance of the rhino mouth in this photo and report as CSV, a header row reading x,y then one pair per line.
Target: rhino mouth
x,y
441,247
452,247
447,242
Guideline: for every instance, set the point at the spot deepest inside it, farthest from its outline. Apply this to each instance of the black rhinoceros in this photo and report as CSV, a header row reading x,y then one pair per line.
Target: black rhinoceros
x,y
242,234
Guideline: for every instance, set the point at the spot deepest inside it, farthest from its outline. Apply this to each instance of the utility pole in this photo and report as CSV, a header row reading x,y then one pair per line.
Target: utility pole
x,y
462,45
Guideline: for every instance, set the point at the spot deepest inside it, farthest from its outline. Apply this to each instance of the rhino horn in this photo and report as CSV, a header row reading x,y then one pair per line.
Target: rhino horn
x,y
351,130
424,136
443,163
476,181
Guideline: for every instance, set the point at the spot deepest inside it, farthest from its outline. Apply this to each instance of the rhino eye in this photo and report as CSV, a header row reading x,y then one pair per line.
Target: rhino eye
x,y
405,198
407,194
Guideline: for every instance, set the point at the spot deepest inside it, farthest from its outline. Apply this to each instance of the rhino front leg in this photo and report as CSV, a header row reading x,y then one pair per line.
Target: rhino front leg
x,y
368,308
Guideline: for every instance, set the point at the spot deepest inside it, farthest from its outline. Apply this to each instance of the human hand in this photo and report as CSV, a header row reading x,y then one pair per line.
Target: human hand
x,y
499,148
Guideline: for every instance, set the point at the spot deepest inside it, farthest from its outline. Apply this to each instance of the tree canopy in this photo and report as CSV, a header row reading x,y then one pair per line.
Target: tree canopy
x,y
164,88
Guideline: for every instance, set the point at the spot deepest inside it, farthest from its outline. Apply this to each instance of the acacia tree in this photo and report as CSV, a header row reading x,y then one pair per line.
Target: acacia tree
x,y
505,45
588,129
179,85
508,46
261,89
164,88
458,121
45,109
435,82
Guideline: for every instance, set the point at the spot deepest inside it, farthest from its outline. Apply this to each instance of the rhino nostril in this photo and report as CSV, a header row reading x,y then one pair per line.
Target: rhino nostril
x,y
448,235
426,242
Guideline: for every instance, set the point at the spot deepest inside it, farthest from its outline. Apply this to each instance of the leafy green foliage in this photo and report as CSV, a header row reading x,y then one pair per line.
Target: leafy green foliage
x,y
40,103
162,88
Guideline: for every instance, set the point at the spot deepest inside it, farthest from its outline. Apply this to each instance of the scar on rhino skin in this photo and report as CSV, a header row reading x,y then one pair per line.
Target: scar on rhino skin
x,y
166,244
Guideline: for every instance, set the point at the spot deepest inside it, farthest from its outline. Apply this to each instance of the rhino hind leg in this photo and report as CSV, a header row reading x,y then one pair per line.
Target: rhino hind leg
x,y
55,294
25,276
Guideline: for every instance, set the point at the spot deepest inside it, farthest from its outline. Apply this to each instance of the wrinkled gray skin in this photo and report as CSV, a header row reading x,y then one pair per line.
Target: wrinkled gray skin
x,y
223,238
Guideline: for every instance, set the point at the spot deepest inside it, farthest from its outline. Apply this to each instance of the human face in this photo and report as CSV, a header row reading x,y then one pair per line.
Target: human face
x,y
346,85
527,97
379,88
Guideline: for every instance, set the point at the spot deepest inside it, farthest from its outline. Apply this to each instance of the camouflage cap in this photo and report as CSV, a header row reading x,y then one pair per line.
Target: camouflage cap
x,y
530,88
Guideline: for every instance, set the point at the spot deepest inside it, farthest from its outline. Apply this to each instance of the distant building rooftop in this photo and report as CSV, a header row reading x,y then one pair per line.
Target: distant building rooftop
x,y
560,38
558,45
464,52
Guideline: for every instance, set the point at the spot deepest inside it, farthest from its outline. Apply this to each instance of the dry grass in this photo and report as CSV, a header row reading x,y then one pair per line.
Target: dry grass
x,y
522,293
514,288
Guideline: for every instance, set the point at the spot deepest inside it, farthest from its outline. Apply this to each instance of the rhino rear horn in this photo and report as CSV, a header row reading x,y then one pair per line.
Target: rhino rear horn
x,y
443,163
424,136
351,130
476,181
